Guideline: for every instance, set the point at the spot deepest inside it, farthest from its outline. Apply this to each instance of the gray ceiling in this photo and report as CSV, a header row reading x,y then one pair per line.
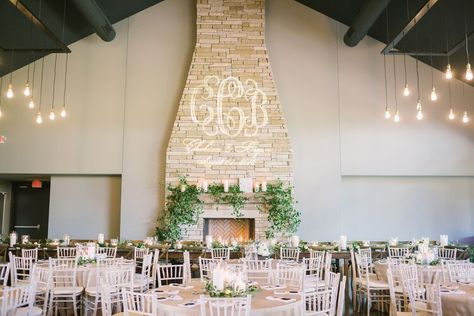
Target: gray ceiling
x,y
443,25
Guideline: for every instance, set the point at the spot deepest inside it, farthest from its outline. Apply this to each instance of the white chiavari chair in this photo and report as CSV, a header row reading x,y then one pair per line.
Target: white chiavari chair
x,y
424,298
66,252
43,279
332,279
355,280
106,300
316,254
320,302
398,303
19,300
341,296
366,252
109,252
30,253
375,291
4,273
64,287
139,303
206,266
290,275
143,279
236,306
289,254
220,253
459,270
138,254
258,270
187,267
251,252
447,253
314,270
170,273
154,268
116,279
20,269
398,252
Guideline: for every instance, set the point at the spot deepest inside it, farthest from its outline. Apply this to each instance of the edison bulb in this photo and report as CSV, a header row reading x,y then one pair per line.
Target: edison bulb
x,y
469,75
1,113
419,114
451,115
434,95
31,104
465,118
27,91
418,105
449,72
406,90
10,91
39,119
52,116
396,118
387,113
63,112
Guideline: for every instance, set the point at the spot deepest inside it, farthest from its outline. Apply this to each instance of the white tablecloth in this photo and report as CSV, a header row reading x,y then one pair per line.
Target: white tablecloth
x,y
260,305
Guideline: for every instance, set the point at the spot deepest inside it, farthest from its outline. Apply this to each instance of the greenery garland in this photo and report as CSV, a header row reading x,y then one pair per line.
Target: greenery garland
x,y
234,197
278,202
182,207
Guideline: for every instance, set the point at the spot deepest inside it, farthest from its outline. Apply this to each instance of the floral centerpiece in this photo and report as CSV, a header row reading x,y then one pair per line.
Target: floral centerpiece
x,y
227,282
425,255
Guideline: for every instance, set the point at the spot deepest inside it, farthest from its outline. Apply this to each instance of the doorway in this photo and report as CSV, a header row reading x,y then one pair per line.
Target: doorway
x,y
30,209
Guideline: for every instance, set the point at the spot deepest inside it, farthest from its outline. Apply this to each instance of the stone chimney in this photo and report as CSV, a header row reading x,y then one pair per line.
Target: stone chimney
x,y
229,124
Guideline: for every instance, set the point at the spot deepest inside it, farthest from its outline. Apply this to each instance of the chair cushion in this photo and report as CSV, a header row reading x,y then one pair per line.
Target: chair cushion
x,y
26,311
67,290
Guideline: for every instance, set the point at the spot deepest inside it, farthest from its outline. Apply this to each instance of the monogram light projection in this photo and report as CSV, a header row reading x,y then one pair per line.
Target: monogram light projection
x,y
234,121
230,113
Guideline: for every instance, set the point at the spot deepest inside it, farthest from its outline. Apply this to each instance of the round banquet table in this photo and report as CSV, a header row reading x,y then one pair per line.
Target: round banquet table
x,y
261,306
427,274
460,302
85,274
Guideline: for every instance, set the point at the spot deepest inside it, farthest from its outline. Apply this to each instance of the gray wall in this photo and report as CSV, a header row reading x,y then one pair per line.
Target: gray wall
x,y
6,186
83,206
355,173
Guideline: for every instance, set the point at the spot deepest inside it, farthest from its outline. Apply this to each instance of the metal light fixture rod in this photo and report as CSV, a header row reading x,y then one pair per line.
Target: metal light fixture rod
x,y
419,15
37,22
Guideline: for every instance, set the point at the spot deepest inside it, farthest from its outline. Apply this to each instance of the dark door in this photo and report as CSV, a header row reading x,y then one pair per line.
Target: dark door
x,y
30,210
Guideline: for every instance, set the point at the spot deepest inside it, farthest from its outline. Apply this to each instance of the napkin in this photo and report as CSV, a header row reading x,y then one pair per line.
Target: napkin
x,y
190,304
281,299
273,287
182,286
161,291
289,292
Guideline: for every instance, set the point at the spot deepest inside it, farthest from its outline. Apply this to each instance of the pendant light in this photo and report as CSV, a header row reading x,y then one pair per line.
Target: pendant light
x,y
451,114
406,89
387,113
396,117
27,90
419,106
39,119
469,74
10,93
63,113
433,95
465,117
449,72
31,104
52,115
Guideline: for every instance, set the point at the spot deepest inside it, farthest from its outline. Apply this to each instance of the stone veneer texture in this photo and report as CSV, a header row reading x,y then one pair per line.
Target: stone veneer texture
x,y
229,123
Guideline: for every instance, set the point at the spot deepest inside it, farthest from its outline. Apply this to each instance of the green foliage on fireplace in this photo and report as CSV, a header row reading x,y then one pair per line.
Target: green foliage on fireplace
x,y
278,202
182,207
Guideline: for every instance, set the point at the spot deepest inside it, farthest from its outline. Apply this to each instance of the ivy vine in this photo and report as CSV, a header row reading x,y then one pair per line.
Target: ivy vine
x,y
234,197
278,202
183,207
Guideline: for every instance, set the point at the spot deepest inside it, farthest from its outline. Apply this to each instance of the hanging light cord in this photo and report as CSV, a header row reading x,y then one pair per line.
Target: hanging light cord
x,y
449,92
41,84
54,80
417,78
395,84
67,55
385,63
33,81
463,100
467,42
405,55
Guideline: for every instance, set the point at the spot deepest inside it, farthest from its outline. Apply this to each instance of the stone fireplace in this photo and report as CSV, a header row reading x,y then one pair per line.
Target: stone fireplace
x,y
229,124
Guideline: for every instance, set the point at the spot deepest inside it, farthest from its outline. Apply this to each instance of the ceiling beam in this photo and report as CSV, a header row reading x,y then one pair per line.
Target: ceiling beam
x,y
418,16
364,21
460,44
39,24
